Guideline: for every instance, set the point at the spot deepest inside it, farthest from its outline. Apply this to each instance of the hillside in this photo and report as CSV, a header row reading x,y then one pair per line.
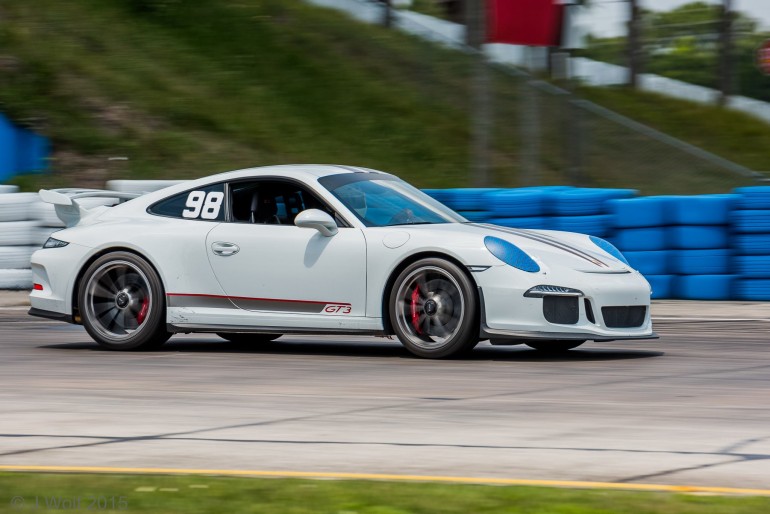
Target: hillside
x,y
188,88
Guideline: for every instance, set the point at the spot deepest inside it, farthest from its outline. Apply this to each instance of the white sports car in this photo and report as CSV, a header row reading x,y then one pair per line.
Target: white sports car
x,y
321,249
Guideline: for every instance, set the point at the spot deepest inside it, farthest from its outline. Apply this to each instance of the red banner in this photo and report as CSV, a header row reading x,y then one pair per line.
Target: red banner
x,y
525,22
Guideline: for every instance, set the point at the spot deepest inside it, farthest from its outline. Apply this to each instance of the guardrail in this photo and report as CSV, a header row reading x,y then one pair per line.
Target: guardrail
x,y
706,247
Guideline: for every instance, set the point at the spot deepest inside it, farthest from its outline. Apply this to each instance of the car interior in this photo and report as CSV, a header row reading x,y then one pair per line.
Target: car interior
x,y
272,202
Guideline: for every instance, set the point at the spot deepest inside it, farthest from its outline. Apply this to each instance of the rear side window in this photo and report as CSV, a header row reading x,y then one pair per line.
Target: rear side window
x,y
204,203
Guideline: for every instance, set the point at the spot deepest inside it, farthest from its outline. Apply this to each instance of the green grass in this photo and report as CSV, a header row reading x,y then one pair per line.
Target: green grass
x,y
202,494
733,135
189,88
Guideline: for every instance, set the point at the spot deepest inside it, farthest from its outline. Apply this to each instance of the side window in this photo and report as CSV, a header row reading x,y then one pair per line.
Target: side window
x,y
271,202
205,203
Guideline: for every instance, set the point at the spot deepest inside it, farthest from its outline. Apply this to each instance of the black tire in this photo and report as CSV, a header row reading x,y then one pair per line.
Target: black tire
x,y
554,347
243,339
122,303
433,309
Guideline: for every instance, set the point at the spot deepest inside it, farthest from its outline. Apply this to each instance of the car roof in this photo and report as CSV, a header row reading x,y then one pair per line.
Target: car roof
x,y
304,172
289,170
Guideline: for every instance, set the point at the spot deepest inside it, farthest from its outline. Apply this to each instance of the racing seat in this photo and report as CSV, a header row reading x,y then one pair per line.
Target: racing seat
x,y
253,207
293,206
264,210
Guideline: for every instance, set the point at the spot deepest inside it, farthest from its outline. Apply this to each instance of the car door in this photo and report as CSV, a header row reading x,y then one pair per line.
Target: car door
x,y
274,269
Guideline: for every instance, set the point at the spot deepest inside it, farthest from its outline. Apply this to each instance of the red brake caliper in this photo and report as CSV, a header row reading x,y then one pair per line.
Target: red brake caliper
x,y
415,313
143,311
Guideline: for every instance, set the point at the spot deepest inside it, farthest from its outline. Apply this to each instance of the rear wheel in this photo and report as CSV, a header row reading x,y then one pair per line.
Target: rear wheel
x,y
245,339
122,303
433,309
555,346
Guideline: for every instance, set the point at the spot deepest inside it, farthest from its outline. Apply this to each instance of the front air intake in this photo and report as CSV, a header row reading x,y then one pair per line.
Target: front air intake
x,y
624,317
563,310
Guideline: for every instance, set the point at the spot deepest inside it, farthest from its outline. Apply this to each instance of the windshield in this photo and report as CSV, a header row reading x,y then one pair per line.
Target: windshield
x,y
384,201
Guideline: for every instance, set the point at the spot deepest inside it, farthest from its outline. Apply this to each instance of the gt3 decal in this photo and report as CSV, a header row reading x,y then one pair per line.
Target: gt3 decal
x,y
256,304
337,308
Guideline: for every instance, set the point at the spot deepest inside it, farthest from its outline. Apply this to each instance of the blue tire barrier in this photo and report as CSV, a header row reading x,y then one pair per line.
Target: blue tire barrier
x,y
638,212
546,189
701,262
549,196
754,221
691,237
752,289
640,239
32,151
531,223
587,201
597,225
7,149
649,263
751,244
467,199
516,203
704,287
437,194
753,197
476,216
662,285
752,266
21,150
701,210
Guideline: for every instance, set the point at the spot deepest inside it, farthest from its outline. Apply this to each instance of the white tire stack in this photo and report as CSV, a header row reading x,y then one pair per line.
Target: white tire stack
x,y
18,237
140,186
26,223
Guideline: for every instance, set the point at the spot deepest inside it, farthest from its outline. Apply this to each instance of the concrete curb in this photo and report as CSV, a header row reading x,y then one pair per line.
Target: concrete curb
x,y
661,309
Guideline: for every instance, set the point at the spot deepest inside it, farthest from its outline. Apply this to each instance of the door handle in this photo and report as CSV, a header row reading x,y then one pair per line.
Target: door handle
x,y
225,249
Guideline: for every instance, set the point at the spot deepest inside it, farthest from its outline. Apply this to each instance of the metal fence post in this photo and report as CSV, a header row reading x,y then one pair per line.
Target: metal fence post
x,y
726,52
481,101
634,44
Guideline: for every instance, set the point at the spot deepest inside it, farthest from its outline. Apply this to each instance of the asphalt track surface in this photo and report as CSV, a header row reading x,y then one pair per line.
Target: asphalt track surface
x,y
689,408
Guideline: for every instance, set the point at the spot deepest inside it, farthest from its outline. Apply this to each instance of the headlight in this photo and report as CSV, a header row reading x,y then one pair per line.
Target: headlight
x,y
510,254
609,248
52,242
546,290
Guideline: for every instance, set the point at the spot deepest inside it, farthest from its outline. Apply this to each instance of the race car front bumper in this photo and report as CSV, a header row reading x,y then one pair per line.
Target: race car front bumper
x,y
591,306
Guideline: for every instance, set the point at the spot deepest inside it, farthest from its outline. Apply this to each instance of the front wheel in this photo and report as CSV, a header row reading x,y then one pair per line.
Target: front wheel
x,y
434,309
121,301
553,347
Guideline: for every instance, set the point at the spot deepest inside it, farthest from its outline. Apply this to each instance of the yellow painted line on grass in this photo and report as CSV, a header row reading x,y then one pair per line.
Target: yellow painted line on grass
x,y
395,477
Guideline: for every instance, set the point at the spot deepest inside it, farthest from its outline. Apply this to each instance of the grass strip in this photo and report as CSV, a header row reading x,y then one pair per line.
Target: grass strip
x,y
202,494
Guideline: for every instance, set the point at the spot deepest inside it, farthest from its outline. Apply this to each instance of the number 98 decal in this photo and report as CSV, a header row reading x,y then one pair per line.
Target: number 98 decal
x,y
203,205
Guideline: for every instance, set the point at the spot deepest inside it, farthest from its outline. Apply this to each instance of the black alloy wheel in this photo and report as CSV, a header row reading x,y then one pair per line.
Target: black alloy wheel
x,y
434,309
122,303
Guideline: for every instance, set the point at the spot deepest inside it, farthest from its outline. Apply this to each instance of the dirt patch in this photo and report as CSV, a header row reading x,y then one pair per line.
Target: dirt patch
x,y
9,64
89,171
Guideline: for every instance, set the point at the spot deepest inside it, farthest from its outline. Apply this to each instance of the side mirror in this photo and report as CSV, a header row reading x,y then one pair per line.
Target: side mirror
x,y
319,220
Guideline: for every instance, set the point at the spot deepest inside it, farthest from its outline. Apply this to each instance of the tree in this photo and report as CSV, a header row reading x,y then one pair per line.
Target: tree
x,y
684,44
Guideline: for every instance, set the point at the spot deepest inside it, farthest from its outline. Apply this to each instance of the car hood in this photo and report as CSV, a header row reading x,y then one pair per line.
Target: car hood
x,y
549,247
